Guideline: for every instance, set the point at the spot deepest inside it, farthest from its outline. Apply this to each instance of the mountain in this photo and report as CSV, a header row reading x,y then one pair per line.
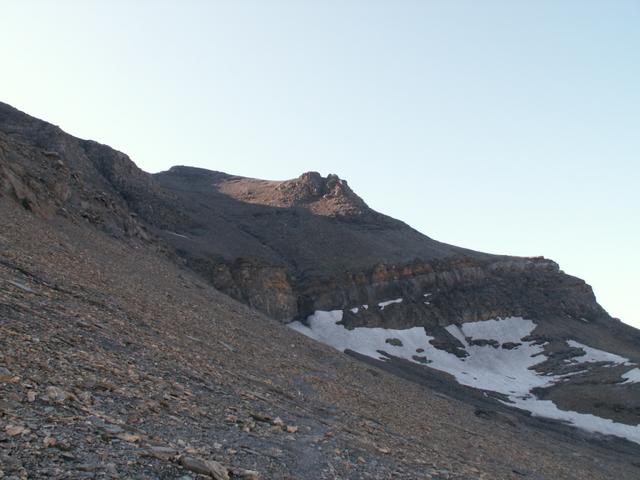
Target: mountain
x,y
151,322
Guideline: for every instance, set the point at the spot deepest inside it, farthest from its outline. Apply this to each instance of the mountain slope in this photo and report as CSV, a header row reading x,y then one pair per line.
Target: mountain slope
x,y
294,250
115,361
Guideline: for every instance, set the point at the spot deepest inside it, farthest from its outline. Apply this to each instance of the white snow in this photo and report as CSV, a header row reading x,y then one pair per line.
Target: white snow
x,y
486,367
497,369
322,326
357,309
632,376
389,302
593,355
506,371
176,234
585,421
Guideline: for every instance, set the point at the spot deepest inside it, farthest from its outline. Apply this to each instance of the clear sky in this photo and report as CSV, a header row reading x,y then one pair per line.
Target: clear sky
x,y
504,126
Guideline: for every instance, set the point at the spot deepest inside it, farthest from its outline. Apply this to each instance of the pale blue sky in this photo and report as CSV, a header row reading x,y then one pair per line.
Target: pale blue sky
x,y
504,126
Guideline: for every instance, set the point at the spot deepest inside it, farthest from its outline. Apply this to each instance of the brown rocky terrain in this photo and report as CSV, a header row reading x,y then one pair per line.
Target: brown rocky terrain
x,y
122,354
117,363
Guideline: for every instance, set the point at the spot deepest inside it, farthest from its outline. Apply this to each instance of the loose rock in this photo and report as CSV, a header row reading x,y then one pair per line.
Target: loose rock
x,y
205,467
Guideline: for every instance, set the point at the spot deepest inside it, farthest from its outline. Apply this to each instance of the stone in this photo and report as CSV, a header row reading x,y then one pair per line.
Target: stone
x,y
49,442
21,286
205,467
161,453
482,342
420,358
111,469
129,437
15,430
58,395
245,474
113,429
88,467
86,398
260,417
5,375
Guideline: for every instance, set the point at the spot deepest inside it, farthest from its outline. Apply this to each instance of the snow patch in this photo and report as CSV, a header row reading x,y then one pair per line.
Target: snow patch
x,y
322,326
593,355
389,302
355,310
488,366
176,234
507,371
585,421
632,376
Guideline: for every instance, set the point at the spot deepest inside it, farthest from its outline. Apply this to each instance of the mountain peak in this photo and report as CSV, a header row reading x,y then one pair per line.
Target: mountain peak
x,y
328,196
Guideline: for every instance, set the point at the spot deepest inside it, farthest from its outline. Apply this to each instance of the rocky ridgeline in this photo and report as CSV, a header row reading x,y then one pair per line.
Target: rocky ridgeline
x,y
286,248
52,173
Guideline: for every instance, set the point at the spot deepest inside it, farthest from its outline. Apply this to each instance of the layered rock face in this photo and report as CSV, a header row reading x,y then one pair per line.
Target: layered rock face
x,y
458,290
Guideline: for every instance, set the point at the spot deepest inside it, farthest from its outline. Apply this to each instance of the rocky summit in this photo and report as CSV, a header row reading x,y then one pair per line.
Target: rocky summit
x,y
195,324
